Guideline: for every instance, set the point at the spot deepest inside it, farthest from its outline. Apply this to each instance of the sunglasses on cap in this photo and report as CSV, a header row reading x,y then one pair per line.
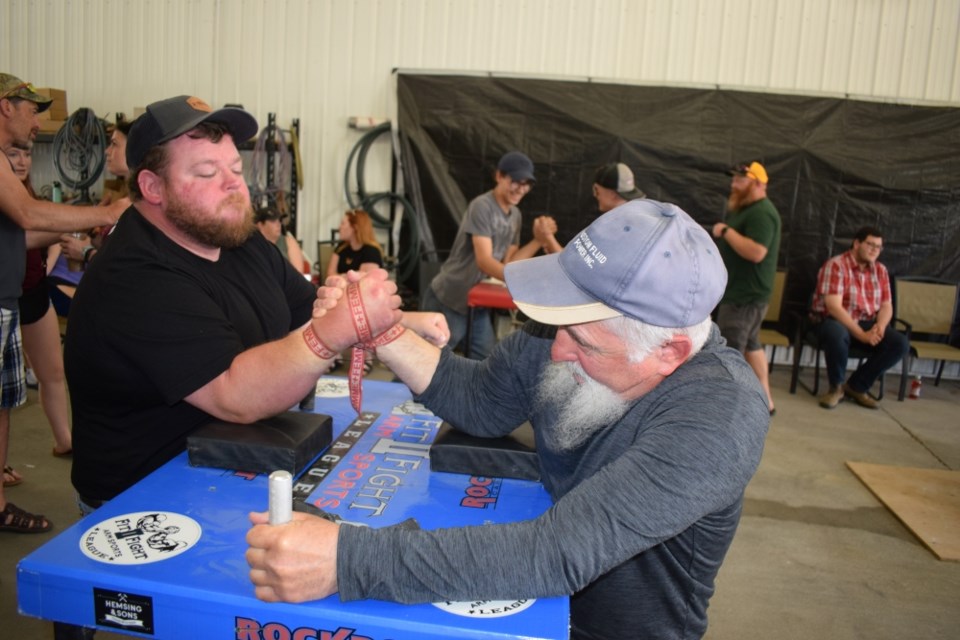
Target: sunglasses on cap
x,y
744,170
23,85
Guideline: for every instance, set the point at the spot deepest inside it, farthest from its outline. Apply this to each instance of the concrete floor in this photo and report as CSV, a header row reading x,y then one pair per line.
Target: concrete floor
x,y
816,556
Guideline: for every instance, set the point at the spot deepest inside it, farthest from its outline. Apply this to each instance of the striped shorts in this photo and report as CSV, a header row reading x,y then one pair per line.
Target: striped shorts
x,y
13,384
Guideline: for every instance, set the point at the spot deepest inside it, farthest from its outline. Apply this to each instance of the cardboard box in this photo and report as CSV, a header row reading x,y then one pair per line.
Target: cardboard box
x,y
50,126
58,110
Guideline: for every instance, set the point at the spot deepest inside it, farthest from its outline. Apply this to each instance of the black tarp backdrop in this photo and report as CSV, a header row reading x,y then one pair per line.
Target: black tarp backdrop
x,y
834,164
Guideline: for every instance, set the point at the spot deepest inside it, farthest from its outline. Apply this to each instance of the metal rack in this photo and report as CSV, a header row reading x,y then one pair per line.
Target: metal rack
x,y
272,148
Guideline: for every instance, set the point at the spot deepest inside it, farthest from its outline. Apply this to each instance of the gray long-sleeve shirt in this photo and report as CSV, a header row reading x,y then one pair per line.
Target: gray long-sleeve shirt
x,y
644,511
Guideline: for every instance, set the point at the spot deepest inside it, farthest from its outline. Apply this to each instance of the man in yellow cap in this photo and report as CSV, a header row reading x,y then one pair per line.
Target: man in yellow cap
x,y
749,241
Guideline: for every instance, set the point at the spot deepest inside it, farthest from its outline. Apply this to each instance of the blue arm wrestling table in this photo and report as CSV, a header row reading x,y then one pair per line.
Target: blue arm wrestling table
x,y
165,559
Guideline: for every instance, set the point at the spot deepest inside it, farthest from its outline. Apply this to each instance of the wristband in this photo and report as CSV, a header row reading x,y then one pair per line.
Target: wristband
x,y
723,232
85,254
365,341
316,344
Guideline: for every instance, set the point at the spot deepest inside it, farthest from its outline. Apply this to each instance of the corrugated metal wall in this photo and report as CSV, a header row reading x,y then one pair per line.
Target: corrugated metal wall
x,y
324,60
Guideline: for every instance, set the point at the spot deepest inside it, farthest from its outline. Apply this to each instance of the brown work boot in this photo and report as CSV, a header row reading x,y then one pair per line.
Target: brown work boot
x,y
831,398
862,399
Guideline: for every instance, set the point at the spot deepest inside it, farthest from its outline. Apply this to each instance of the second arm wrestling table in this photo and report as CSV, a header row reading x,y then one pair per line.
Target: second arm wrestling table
x,y
487,295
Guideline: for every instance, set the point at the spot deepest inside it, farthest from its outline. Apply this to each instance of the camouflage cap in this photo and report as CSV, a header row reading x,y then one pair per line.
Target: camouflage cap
x,y
14,87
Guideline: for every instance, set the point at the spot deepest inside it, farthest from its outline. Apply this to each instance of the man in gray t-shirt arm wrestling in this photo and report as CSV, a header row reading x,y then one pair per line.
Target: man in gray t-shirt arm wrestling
x,y
648,430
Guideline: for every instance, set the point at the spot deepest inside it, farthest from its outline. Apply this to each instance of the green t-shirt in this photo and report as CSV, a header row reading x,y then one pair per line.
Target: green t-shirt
x,y
748,282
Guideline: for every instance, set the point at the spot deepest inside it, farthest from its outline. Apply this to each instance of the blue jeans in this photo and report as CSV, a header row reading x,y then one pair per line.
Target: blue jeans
x,y
835,341
482,338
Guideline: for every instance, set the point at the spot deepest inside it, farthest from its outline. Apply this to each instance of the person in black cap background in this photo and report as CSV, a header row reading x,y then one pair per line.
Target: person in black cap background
x,y
273,225
487,240
749,240
647,430
614,185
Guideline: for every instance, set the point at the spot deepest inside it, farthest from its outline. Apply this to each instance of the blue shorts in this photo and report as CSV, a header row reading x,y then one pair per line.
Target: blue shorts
x,y
13,384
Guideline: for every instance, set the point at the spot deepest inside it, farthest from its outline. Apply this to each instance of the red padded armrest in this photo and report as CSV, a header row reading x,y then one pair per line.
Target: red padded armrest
x,y
489,295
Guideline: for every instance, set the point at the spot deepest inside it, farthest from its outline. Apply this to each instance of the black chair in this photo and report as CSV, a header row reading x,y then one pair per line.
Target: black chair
x,y
807,335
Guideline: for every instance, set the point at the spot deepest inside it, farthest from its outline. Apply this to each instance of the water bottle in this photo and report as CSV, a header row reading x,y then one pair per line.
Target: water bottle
x,y
57,192
915,388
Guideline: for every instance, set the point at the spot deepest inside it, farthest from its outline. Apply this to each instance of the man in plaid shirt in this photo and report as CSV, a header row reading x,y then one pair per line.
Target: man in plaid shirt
x,y
853,299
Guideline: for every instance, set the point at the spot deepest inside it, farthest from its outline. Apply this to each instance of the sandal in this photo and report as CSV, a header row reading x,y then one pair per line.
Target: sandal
x,y
15,519
14,477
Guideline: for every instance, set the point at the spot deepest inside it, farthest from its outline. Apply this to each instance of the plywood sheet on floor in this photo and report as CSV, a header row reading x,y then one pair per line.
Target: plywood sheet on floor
x,y
927,501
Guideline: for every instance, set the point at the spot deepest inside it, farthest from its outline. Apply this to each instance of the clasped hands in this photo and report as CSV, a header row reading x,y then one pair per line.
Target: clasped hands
x,y
332,319
872,336
544,228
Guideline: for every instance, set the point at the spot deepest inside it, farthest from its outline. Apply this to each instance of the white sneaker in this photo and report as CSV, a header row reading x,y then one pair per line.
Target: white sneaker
x,y
32,381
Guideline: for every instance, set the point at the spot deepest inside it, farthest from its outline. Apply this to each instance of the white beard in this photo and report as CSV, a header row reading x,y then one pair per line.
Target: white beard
x,y
583,408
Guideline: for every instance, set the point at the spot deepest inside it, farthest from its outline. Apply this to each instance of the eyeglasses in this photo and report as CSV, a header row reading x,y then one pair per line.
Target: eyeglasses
x,y
23,85
524,185
876,246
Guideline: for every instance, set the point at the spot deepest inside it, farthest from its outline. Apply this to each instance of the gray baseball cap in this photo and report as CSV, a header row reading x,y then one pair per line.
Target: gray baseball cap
x,y
645,259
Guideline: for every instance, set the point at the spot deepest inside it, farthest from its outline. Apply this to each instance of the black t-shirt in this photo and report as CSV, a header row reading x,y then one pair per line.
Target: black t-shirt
x,y
350,259
150,324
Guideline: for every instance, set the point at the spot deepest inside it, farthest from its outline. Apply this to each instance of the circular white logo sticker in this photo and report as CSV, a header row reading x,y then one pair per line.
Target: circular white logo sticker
x,y
332,388
140,538
410,408
485,608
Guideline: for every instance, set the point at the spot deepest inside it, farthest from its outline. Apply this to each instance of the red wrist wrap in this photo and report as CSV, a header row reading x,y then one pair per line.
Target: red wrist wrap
x,y
366,342
316,344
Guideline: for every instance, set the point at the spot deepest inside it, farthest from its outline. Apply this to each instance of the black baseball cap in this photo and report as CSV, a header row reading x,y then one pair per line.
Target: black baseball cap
x,y
173,117
618,177
516,165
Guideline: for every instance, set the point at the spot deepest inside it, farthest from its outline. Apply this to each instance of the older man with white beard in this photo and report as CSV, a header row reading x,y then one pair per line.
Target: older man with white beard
x,y
648,429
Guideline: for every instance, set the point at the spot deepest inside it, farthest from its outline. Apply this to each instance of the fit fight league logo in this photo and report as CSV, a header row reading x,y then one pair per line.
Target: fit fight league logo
x,y
140,538
485,608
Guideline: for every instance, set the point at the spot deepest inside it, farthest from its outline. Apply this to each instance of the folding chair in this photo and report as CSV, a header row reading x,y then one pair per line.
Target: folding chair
x,y
770,333
927,307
